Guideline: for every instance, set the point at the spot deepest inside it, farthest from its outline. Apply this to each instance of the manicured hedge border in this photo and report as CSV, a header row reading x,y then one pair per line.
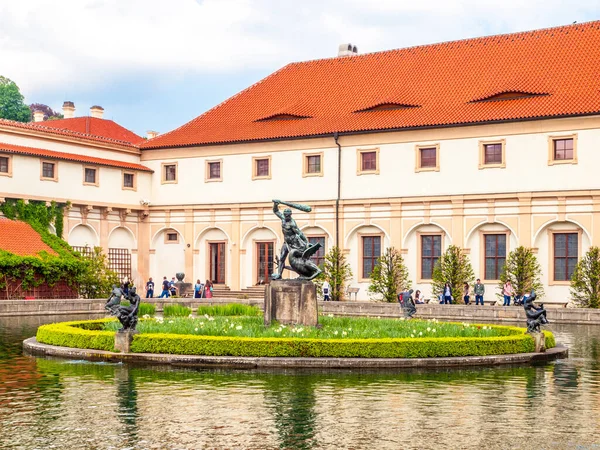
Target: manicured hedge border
x,y
87,334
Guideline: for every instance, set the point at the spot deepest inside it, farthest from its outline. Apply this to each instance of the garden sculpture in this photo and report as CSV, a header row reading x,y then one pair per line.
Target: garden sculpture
x,y
296,245
127,315
407,303
536,316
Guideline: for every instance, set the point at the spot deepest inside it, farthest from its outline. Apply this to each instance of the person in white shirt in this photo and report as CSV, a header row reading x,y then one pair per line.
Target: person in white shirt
x,y
326,291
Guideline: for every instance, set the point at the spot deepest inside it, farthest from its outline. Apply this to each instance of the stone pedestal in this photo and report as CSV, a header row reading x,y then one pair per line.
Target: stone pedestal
x,y
540,342
291,302
183,288
123,340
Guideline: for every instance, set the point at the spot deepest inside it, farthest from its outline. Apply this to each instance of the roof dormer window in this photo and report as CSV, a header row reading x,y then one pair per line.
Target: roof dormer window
x,y
509,95
277,117
388,106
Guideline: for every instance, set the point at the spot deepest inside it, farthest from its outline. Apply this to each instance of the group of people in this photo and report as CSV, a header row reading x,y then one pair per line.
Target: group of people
x,y
170,289
478,290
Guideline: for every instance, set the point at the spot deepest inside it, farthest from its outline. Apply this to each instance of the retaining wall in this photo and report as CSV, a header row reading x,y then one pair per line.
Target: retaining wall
x,y
348,308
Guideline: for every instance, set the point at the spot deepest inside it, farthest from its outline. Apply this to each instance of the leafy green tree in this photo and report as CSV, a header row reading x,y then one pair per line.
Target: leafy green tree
x,y
390,276
454,268
337,272
97,279
523,271
11,102
585,282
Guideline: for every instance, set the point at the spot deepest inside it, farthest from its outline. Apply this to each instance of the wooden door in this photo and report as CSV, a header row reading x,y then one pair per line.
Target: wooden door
x,y
217,262
264,261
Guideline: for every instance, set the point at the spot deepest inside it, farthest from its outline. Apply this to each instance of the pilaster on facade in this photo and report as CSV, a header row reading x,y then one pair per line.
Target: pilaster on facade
x,y
525,219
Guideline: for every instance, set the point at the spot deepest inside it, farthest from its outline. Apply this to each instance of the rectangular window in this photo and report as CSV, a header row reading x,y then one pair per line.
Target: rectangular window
x,y
368,161
3,164
172,237
313,164
563,149
492,153
90,175
319,257
128,180
371,250
495,255
48,170
262,167
431,250
566,247
428,157
214,170
170,173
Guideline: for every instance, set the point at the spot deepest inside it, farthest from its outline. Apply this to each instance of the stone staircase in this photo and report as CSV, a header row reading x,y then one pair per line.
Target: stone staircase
x,y
250,292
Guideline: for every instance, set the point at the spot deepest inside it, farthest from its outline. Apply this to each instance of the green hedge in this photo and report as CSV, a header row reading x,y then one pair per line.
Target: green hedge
x,y
86,334
79,334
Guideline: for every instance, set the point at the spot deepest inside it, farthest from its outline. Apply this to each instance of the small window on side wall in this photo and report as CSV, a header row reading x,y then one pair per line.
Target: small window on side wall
x,y
427,158
169,173
562,149
172,237
90,176
5,168
129,180
49,171
261,168
368,162
214,170
313,165
492,154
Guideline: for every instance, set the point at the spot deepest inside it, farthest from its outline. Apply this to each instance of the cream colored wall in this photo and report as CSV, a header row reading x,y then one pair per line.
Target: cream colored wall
x,y
201,262
131,155
167,259
26,183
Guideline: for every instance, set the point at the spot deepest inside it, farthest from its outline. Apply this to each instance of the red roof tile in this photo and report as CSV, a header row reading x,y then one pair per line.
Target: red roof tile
x,y
20,239
73,134
95,127
18,149
443,80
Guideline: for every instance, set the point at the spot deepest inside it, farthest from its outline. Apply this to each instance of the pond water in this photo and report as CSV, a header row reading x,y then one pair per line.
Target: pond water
x,y
51,403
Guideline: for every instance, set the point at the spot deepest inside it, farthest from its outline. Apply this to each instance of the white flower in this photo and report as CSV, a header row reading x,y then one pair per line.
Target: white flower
x,y
349,329
433,331
196,329
412,335
329,315
344,333
231,325
428,329
146,316
414,331
206,315
335,332
190,315
211,319
420,333
239,327
170,321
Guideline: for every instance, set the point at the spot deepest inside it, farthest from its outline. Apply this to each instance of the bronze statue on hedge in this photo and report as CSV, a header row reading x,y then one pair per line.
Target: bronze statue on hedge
x,y
536,316
127,315
296,245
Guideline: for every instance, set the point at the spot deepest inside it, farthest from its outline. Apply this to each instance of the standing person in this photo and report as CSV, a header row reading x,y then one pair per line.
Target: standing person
x,y
126,287
198,289
326,289
479,290
447,294
165,288
466,293
150,288
208,289
508,292
172,287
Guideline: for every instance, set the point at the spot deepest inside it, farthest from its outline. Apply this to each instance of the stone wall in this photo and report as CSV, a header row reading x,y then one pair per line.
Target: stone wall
x,y
510,314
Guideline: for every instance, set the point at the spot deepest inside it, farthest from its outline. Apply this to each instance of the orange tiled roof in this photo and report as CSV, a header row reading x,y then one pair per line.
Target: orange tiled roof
x,y
95,127
20,239
555,72
74,134
21,150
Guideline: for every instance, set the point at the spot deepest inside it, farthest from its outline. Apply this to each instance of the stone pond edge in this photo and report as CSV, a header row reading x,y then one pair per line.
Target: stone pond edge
x,y
33,347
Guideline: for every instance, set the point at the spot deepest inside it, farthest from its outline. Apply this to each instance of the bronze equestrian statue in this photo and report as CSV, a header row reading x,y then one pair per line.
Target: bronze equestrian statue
x,y
295,246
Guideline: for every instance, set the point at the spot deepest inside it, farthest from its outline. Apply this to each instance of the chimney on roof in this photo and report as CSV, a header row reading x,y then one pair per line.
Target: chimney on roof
x,y
347,50
38,116
68,110
97,111
151,134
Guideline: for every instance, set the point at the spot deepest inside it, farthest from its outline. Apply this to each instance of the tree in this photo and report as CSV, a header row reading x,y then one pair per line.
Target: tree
x,y
97,279
337,272
49,113
453,268
523,271
585,282
390,276
11,102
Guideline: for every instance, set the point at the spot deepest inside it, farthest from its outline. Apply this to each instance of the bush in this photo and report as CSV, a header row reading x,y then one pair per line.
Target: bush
x,y
390,276
337,272
176,311
585,282
147,309
231,309
78,334
523,271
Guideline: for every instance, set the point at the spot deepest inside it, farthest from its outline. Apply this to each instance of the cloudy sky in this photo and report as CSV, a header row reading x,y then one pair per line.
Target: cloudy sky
x,y
155,64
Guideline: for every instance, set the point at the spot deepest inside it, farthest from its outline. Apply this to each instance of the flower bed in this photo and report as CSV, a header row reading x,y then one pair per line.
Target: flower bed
x,y
339,337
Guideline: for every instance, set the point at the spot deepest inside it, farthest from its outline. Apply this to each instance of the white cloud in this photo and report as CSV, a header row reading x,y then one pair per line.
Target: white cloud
x,y
75,43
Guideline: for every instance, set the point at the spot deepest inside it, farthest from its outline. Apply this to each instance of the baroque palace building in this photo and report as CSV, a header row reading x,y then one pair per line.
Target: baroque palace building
x,y
486,143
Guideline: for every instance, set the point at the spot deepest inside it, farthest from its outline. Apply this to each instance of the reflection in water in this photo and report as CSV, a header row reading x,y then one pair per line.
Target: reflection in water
x,y
53,403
